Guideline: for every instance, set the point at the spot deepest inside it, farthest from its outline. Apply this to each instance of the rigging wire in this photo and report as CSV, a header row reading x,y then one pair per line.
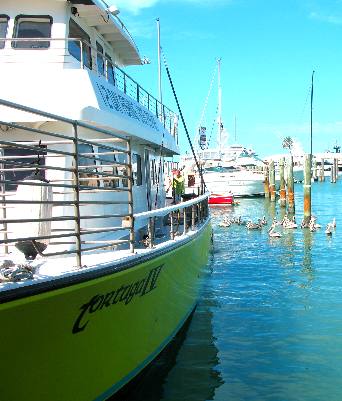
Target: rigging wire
x,y
305,104
212,127
183,122
207,98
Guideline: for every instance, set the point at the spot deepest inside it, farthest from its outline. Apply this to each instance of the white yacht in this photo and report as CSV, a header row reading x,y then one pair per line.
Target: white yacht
x,y
97,274
227,169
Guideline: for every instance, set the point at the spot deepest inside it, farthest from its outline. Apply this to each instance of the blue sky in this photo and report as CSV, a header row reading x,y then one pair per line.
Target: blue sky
x,y
269,49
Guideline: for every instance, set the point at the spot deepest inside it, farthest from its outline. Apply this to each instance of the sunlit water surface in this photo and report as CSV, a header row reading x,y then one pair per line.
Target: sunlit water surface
x,y
269,322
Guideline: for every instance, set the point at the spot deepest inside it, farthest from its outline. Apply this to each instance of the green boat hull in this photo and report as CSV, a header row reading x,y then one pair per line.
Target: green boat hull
x,y
85,341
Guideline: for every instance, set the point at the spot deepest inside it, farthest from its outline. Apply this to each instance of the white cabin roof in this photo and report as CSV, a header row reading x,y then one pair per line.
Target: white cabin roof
x,y
96,14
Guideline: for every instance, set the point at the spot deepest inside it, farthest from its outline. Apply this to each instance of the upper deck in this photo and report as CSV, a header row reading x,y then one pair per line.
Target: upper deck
x,y
67,58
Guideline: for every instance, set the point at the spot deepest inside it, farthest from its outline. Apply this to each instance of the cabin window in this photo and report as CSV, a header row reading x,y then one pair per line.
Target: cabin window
x,y
107,168
121,158
100,59
110,70
19,163
32,26
87,166
136,168
3,29
78,36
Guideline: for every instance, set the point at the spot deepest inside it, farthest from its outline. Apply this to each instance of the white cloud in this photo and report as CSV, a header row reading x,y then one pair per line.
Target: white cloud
x,y
331,19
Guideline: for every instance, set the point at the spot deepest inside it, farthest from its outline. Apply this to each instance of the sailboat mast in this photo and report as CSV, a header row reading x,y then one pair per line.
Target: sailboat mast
x,y
159,65
219,111
312,88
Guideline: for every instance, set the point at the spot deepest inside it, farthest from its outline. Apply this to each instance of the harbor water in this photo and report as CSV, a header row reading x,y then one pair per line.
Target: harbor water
x,y
269,322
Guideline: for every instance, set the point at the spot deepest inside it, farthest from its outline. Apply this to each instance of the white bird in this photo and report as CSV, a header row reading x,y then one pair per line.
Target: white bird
x,y
285,220
272,233
276,223
314,222
224,224
289,224
304,224
253,226
329,229
263,221
312,225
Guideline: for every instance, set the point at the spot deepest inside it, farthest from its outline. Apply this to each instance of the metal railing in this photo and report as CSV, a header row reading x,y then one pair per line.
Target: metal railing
x,y
181,217
89,57
85,216
90,207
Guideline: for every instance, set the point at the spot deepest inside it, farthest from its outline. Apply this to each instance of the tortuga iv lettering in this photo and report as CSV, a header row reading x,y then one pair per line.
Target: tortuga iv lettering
x,y
123,294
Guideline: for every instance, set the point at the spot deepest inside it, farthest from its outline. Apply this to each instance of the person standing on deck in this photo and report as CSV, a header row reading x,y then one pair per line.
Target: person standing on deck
x,y
178,185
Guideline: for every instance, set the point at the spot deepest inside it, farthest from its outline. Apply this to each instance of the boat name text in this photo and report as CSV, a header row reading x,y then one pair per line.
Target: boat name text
x,y
123,294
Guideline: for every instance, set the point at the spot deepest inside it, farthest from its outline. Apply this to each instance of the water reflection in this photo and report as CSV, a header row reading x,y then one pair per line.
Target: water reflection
x,y
307,255
194,377
186,370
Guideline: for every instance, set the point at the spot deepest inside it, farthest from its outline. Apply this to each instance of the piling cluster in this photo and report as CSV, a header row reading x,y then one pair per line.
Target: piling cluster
x,y
312,172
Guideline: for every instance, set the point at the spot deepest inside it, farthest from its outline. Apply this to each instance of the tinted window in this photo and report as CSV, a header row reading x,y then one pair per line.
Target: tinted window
x,y
21,163
110,70
107,161
74,46
100,60
28,26
88,158
136,167
3,29
121,158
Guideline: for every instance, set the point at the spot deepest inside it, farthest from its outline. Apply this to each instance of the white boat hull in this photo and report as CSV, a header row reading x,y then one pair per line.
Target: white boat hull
x,y
242,183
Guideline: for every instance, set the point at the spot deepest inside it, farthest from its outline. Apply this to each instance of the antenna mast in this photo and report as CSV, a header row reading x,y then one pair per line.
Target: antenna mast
x,y
219,118
312,76
159,65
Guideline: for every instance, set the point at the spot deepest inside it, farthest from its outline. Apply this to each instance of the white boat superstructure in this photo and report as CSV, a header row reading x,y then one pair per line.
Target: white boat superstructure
x,y
67,57
85,231
240,182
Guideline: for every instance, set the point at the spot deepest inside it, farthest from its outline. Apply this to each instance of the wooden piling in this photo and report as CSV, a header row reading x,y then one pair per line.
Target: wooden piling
x,y
266,182
282,190
321,171
336,168
315,175
307,189
332,173
272,182
290,187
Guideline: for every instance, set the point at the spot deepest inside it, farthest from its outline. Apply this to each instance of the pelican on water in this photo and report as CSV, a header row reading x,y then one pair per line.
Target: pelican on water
x,y
272,233
329,229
